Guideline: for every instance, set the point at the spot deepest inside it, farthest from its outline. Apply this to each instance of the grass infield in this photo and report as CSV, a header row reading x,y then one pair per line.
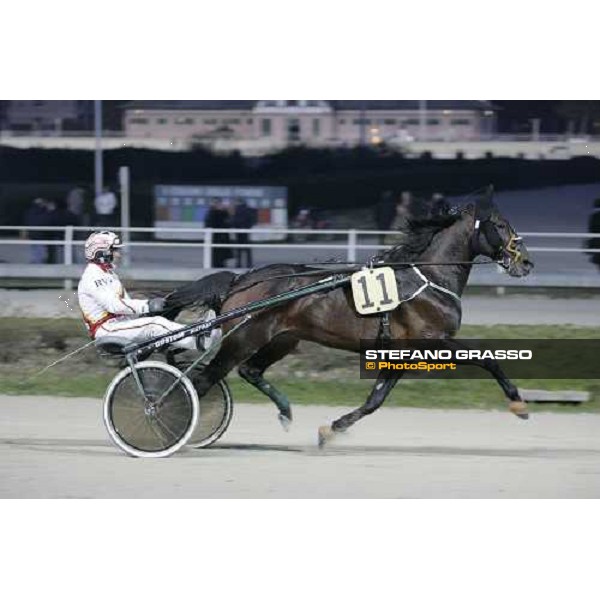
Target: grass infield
x,y
312,375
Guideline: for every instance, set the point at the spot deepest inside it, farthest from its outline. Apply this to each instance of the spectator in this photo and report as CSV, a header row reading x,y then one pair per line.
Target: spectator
x,y
400,223
37,216
66,217
105,205
76,215
594,227
385,211
75,203
218,218
303,219
54,220
244,217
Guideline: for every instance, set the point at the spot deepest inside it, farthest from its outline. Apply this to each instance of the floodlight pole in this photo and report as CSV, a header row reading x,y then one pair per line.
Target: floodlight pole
x,y
125,221
422,120
98,174
363,124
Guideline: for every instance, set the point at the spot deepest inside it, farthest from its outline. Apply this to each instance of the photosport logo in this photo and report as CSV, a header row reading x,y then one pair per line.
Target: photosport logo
x,y
467,359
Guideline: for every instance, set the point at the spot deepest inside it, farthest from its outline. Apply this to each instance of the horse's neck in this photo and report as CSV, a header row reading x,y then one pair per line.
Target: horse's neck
x,y
452,244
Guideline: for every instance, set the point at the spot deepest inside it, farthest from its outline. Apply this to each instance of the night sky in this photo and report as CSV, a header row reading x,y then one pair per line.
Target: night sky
x,y
514,115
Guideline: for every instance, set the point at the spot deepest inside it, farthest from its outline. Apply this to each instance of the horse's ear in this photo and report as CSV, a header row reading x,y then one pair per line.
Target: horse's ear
x,y
485,205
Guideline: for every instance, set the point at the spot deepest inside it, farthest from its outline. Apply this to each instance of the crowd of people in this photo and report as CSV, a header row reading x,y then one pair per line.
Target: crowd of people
x,y
73,210
391,215
60,213
238,216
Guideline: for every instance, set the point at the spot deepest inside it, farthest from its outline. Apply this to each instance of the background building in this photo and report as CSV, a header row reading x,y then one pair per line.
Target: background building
x,y
281,123
46,115
529,129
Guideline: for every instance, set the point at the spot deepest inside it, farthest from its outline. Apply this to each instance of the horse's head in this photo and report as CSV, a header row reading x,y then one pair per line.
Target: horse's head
x,y
493,236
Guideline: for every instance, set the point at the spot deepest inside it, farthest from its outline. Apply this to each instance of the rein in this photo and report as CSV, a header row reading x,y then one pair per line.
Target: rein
x,y
352,266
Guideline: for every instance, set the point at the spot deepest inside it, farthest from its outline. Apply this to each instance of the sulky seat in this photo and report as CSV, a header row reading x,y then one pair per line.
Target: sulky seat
x,y
110,345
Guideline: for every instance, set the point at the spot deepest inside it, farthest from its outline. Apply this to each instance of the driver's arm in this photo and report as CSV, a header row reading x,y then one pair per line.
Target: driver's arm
x,y
120,303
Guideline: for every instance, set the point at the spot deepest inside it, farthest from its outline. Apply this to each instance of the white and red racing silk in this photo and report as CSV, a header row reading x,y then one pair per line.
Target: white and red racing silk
x,y
102,298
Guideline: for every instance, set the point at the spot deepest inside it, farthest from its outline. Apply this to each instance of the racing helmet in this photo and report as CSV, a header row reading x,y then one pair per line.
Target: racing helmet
x,y
100,246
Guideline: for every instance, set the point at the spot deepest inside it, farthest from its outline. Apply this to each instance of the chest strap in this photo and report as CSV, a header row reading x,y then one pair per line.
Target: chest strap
x,y
429,284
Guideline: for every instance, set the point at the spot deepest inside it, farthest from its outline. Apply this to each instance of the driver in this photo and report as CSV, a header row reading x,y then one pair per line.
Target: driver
x,y
109,311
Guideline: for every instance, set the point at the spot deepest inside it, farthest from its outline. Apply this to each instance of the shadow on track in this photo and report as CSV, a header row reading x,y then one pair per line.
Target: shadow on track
x,y
90,447
531,452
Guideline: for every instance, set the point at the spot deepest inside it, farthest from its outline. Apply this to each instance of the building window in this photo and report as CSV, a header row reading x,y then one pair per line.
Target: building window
x,y
249,121
342,121
293,126
460,122
231,121
184,121
362,121
433,121
210,121
389,121
162,121
138,121
316,127
410,122
265,127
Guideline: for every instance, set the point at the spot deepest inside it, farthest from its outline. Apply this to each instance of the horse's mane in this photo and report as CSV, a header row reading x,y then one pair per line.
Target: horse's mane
x,y
424,220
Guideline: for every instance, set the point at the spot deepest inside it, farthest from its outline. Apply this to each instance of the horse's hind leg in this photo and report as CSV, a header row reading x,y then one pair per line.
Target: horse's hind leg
x,y
252,371
383,386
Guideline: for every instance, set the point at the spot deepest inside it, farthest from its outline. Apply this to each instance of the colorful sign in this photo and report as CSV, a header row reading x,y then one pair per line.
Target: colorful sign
x,y
186,207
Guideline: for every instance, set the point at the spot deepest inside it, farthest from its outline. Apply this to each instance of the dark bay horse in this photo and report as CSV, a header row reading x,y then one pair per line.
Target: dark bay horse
x,y
438,234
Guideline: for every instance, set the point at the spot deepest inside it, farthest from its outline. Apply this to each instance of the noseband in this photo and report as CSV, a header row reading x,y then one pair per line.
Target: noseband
x,y
508,252
512,247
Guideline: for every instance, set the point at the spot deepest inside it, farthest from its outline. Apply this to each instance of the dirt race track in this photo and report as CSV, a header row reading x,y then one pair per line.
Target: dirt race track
x,y
58,448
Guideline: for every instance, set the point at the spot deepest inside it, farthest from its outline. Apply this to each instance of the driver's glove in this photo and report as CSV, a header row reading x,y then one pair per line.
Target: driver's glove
x,y
156,306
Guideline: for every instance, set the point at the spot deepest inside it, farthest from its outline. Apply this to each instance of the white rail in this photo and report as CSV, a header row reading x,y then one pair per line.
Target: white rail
x,y
350,244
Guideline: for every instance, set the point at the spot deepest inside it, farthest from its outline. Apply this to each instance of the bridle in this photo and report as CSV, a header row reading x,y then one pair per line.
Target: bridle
x,y
504,253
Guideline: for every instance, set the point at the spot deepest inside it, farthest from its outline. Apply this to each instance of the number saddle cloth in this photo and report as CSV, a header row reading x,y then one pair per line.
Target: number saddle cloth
x,y
377,290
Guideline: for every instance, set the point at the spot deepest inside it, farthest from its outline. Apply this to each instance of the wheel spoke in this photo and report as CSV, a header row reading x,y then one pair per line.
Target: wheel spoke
x,y
160,422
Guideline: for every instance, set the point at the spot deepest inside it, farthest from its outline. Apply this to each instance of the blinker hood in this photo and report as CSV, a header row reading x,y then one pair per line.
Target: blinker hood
x,y
485,205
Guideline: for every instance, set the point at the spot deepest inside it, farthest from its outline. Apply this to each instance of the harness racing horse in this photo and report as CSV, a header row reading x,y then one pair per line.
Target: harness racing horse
x,y
438,233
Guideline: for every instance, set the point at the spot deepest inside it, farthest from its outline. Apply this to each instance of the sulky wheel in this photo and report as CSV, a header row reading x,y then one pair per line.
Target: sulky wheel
x,y
151,411
216,410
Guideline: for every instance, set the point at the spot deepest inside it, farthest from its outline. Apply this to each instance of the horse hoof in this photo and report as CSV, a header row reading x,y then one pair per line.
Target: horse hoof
x,y
326,434
285,421
519,408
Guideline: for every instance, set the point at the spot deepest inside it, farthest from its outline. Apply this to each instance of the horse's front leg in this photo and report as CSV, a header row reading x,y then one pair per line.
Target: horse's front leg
x,y
383,386
516,404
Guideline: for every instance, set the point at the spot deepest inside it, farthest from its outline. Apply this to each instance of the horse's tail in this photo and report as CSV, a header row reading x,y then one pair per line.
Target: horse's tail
x,y
210,291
